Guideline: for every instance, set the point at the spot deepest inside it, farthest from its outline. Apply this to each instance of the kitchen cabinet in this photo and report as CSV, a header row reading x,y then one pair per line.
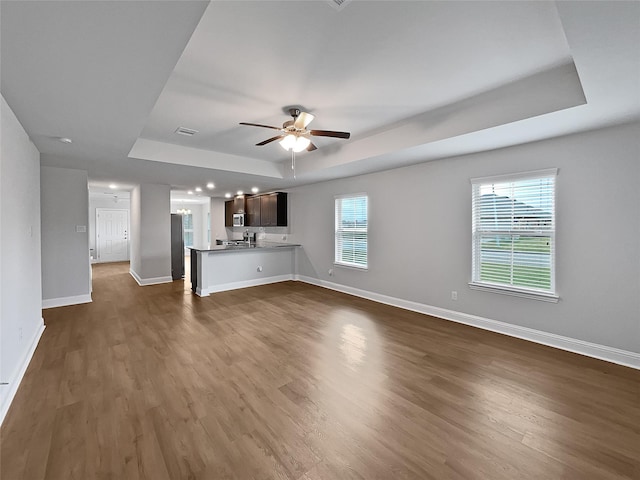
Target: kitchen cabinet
x,y
228,213
220,268
238,204
268,210
273,210
253,211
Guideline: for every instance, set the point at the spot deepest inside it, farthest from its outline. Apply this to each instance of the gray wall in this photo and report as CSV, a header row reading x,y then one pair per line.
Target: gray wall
x,y
420,235
20,287
218,230
205,210
135,259
65,251
151,232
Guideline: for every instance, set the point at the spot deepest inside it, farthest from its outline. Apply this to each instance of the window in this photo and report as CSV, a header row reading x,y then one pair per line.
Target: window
x,y
351,231
187,224
514,234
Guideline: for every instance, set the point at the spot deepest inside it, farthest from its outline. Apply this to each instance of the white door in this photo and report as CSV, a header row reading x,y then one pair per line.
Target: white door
x,y
113,237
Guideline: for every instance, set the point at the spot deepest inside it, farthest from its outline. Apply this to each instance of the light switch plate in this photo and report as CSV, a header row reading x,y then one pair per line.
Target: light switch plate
x,y
81,228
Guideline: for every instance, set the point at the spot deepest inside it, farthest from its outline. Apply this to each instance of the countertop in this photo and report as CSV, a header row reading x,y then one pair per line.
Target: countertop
x,y
239,248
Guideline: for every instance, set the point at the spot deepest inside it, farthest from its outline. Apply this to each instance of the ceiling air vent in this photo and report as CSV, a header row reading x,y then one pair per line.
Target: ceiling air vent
x,y
189,132
339,4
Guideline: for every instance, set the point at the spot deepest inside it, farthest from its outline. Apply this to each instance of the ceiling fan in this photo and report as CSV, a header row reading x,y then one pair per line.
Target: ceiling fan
x,y
294,135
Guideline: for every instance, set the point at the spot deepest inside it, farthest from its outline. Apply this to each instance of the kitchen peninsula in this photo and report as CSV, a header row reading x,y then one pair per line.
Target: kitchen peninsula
x,y
217,268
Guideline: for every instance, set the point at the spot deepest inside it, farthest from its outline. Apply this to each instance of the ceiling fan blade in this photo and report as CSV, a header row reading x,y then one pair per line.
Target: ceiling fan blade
x,y
329,133
259,125
272,139
311,147
303,120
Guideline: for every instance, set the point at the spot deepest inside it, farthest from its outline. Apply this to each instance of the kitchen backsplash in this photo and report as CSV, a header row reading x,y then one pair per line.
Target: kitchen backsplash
x,y
267,234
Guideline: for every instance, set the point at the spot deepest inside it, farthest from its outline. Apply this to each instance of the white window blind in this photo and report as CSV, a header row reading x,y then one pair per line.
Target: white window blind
x,y
514,232
351,231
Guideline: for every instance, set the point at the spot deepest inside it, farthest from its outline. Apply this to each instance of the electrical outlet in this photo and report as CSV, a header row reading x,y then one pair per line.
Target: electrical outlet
x,y
454,295
20,333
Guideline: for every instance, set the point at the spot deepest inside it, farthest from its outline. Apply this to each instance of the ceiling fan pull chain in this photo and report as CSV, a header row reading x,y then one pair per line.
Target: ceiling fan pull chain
x,y
293,162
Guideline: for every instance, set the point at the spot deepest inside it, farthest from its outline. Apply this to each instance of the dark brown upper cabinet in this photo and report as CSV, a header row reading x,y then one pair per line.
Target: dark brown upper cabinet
x,y
228,213
266,210
238,204
253,211
273,209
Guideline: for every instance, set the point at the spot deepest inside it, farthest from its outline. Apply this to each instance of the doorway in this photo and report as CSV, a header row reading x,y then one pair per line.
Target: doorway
x,y
112,241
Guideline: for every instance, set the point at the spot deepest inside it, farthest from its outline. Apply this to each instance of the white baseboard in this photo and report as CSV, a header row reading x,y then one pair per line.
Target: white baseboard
x,y
143,282
602,352
205,292
14,382
65,301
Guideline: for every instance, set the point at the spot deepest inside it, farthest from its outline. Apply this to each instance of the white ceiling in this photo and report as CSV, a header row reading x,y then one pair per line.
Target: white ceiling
x,y
412,81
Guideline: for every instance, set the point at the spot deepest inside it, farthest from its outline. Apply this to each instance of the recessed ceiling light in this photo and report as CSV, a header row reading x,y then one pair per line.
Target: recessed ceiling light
x,y
65,140
210,185
198,189
255,190
113,186
190,192
227,195
239,192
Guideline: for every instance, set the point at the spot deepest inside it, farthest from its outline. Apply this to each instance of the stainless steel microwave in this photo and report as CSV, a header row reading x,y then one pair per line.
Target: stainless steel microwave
x,y
238,219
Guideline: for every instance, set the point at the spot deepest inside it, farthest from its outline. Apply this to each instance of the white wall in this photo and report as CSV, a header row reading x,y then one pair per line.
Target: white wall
x,y
20,281
420,235
103,201
151,233
66,274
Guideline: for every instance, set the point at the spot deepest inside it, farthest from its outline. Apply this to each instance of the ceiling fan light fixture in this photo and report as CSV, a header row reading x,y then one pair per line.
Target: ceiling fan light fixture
x,y
294,136
295,143
301,144
288,142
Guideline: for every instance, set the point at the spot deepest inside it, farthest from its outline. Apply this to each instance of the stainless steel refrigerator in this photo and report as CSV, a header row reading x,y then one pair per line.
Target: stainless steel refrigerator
x,y
177,247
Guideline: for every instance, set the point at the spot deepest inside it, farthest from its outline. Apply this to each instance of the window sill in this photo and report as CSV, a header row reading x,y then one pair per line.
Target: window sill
x,y
353,267
516,292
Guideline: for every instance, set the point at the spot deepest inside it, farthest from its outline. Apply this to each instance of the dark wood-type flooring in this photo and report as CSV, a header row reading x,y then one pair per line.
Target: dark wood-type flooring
x,y
292,381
